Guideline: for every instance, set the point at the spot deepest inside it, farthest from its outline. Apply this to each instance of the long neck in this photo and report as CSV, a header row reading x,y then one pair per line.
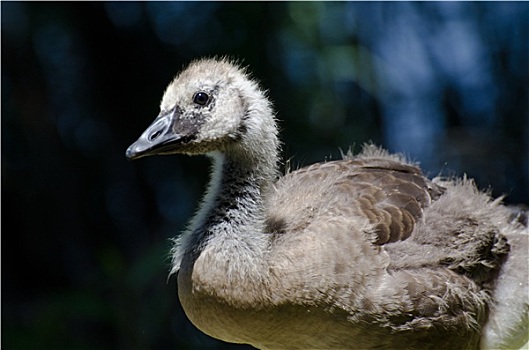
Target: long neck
x,y
226,245
234,223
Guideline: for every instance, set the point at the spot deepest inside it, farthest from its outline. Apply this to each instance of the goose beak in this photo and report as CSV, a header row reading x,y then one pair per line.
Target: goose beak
x,y
163,136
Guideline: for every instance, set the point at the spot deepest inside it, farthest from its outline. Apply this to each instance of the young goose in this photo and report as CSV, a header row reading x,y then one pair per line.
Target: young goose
x,y
363,252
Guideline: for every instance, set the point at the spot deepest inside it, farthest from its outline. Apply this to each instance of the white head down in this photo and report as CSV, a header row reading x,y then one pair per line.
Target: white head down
x,y
212,105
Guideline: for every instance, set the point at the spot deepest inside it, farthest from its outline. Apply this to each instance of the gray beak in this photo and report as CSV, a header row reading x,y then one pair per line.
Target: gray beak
x,y
162,136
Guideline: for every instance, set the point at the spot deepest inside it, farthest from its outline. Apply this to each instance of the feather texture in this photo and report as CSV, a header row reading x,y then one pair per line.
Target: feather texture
x,y
363,252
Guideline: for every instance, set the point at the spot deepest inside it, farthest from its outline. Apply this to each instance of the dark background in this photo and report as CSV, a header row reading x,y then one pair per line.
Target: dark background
x,y
86,234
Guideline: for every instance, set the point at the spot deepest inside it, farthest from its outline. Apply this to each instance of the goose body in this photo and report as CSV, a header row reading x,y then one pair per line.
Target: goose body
x,y
363,252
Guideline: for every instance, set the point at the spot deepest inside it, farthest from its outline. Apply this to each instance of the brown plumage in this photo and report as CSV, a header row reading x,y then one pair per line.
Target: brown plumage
x,y
363,252
391,194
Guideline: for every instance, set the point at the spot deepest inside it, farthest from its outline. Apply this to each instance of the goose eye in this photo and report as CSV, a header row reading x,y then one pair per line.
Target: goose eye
x,y
201,98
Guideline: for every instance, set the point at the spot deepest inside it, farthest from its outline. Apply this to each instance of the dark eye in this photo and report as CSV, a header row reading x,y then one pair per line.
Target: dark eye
x,y
201,98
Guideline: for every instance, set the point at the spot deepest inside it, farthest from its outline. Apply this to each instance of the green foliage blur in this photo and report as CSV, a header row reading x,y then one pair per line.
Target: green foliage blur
x,y
86,234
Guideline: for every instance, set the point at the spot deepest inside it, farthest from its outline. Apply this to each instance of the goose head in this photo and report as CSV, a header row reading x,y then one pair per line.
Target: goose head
x,y
210,106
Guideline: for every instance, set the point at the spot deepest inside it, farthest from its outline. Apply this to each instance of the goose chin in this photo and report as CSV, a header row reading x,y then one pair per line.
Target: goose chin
x,y
173,145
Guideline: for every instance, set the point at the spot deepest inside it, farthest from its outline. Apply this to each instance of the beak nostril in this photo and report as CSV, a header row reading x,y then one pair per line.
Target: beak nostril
x,y
155,135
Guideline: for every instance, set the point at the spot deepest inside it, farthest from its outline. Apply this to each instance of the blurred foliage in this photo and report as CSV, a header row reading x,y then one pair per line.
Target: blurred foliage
x,y
86,234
